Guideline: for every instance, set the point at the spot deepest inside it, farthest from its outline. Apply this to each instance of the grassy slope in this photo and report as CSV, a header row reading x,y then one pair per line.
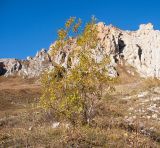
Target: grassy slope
x,y
24,124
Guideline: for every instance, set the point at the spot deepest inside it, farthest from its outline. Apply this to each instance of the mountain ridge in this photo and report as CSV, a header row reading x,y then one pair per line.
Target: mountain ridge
x,y
140,49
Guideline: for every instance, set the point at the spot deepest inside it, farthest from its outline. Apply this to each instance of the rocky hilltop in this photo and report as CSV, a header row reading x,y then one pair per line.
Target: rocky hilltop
x,y
139,49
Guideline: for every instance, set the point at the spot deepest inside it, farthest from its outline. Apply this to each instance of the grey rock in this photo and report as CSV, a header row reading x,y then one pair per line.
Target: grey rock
x,y
143,94
12,66
32,67
55,124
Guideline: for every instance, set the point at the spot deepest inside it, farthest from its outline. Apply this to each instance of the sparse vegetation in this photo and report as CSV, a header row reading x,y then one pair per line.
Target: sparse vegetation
x,y
24,124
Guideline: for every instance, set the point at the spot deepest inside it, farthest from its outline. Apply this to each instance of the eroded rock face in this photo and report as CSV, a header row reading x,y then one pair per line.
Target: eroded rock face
x,y
99,53
10,66
140,49
32,67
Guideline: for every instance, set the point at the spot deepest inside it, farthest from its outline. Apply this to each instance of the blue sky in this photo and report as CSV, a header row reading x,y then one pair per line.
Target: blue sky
x,y
26,26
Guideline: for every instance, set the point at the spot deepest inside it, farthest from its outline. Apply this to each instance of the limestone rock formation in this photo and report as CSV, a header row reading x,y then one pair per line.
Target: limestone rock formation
x,y
32,67
10,66
142,50
139,49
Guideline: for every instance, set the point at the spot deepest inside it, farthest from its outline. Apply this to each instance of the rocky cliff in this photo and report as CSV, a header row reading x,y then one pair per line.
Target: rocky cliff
x,y
139,49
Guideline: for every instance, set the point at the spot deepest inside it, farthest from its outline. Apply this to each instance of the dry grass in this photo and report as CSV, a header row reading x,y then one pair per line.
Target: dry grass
x,y
150,82
127,74
22,124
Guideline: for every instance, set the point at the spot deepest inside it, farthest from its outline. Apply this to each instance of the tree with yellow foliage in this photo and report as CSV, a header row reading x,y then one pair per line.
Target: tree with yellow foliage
x,y
72,93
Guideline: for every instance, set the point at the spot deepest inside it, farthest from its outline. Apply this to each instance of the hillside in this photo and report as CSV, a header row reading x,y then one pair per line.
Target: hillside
x,y
125,114
129,117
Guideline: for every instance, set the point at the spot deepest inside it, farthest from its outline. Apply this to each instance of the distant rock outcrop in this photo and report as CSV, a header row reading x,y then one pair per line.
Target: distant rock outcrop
x,y
10,66
32,67
140,49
